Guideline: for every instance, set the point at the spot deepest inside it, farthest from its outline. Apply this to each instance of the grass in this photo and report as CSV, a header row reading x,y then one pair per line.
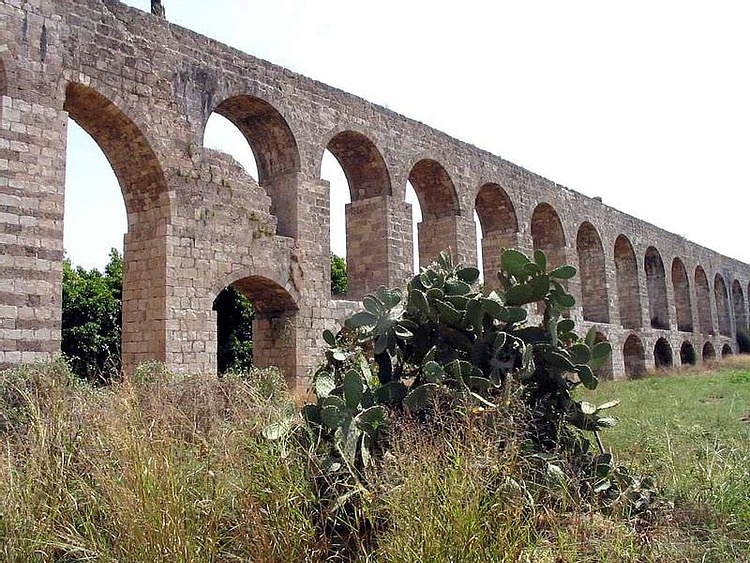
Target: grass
x,y
166,468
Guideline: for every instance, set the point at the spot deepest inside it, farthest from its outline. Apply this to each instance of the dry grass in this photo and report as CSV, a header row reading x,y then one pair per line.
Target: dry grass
x,y
167,468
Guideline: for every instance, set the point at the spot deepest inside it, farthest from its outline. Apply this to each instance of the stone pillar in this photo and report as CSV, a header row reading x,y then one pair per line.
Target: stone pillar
x,y
32,172
378,244
453,232
492,246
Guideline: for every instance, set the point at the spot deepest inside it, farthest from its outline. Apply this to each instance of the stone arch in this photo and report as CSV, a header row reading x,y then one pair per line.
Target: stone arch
x,y
440,208
687,354
147,204
133,161
367,216
275,150
656,284
634,356
435,190
663,357
594,294
738,302
703,296
682,304
722,306
274,325
726,351
362,163
708,353
547,234
499,223
628,291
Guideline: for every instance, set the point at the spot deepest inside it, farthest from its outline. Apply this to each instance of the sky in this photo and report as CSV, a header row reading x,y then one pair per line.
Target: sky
x,y
645,104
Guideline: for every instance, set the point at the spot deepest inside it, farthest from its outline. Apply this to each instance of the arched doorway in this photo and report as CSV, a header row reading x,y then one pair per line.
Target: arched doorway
x,y
663,354
687,354
634,356
709,352
274,318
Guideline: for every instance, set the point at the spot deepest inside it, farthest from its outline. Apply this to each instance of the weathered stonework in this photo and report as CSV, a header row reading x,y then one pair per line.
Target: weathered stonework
x,y
144,89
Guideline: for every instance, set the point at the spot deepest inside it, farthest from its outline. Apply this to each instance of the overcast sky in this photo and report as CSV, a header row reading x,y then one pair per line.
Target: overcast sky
x,y
646,104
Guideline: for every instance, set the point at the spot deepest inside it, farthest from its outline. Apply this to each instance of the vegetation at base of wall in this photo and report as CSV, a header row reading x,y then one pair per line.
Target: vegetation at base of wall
x,y
174,468
92,319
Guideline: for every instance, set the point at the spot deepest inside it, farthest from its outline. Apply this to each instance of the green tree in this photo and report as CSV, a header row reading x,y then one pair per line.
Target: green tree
x,y
92,319
339,283
234,320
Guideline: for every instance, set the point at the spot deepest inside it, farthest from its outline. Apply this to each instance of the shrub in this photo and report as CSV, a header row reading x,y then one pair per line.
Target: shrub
x,y
449,356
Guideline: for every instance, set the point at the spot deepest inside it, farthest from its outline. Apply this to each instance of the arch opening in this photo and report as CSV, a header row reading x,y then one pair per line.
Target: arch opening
x,y
548,235
256,321
628,291
222,135
594,295
722,306
606,370
703,296
656,284
438,203
498,225
416,219
365,215
663,354
687,354
708,353
726,351
146,201
682,303
634,357
275,153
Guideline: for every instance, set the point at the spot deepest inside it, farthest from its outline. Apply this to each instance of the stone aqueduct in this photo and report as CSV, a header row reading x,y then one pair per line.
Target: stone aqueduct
x,y
144,90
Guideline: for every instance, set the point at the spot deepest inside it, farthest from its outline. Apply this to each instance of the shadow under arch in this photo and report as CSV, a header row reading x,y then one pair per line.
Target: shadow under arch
x,y
656,285
274,334
3,79
708,353
687,354
499,225
682,301
548,235
626,270
144,188
721,298
663,357
703,298
440,208
593,277
275,150
634,356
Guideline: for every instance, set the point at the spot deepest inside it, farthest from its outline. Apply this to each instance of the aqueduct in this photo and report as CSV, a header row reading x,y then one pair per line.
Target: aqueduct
x,y
144,89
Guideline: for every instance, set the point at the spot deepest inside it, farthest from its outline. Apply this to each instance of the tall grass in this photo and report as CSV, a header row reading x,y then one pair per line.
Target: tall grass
x,y
160,469
168,468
